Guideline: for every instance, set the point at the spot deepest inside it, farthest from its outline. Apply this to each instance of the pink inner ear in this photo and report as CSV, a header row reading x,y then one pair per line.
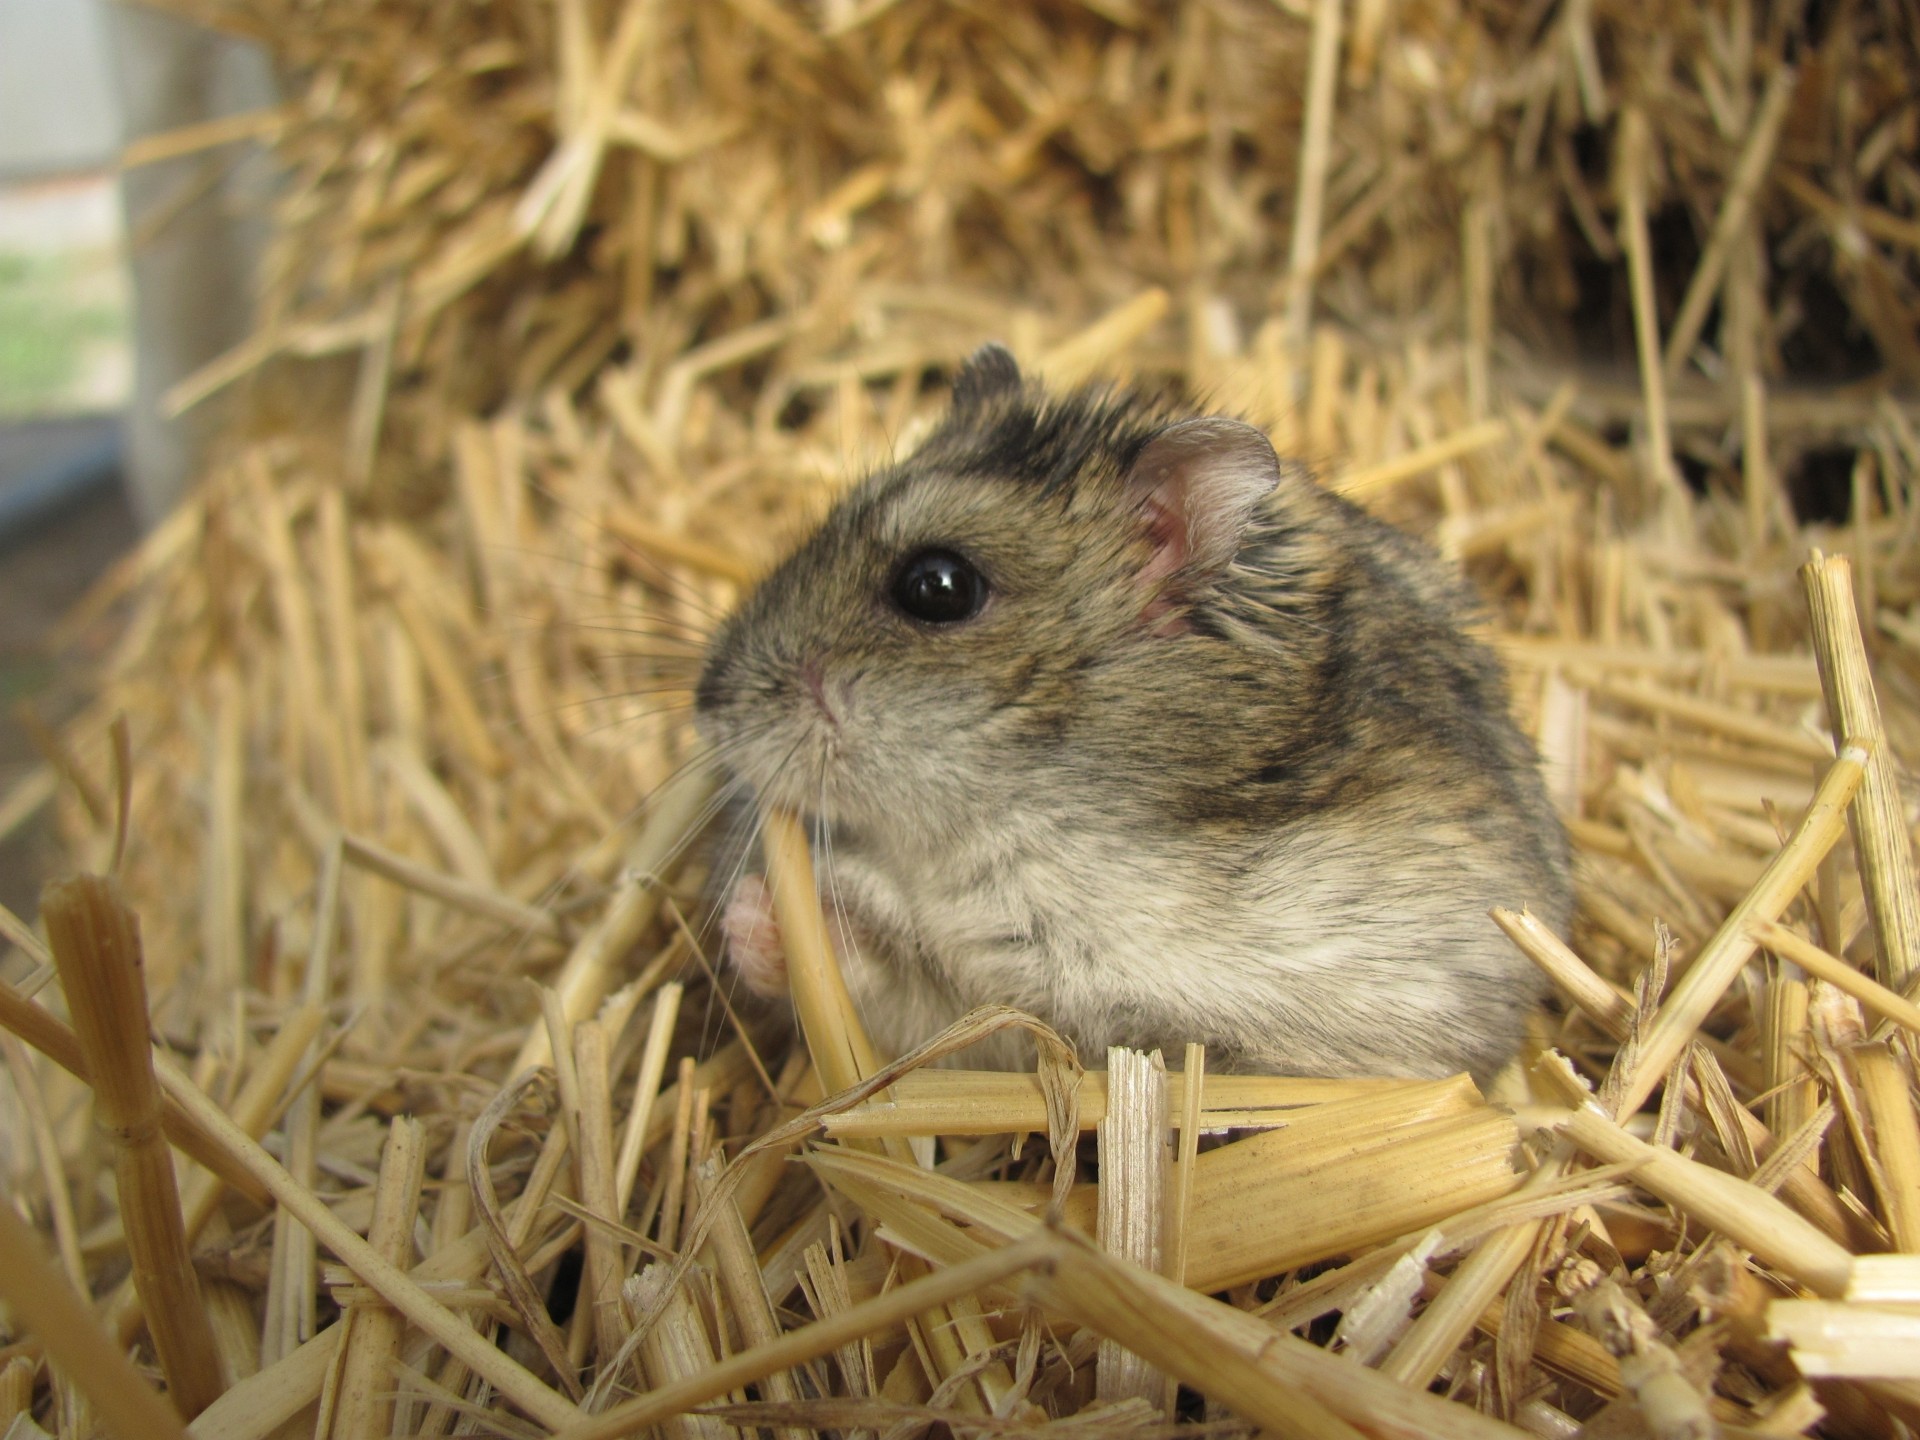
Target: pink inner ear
x,y
1196,484
1167,533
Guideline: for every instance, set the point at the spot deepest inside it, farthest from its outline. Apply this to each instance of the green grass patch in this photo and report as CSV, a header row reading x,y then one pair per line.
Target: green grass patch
x,y
53,324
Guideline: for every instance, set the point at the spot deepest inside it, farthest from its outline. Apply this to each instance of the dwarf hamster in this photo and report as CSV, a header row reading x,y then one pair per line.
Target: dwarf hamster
x,y
1104,712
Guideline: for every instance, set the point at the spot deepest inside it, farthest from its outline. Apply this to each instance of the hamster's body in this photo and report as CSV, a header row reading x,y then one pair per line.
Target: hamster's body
x,y
1107,715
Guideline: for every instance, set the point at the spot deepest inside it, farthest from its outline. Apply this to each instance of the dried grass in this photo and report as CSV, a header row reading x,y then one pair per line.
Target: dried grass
x,y
577,311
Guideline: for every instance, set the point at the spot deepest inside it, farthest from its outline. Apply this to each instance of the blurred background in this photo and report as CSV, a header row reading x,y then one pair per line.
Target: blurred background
x,y
106,299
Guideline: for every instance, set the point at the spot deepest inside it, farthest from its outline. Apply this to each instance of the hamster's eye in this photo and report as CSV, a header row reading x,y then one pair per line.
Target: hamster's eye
x,y
938,587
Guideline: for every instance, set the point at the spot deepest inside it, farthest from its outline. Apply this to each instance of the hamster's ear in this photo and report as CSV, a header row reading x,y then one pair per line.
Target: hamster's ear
x,y
991,370
1197,483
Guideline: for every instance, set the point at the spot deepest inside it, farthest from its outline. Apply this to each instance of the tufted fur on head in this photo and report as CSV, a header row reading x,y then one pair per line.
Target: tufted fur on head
x,y
1213,759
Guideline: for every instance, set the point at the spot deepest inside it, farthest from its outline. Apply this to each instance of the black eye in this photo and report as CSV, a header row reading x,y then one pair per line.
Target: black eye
x,y
938,587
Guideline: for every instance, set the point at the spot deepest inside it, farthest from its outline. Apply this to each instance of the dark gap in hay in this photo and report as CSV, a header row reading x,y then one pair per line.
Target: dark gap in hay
x,y
563,1290
1814,25
1600,317
1820,485
1675,231
800,409
1697,471
1824,343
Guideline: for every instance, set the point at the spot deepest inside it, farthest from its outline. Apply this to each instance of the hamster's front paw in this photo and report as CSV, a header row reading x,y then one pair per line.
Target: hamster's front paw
x,y
754,947
752,937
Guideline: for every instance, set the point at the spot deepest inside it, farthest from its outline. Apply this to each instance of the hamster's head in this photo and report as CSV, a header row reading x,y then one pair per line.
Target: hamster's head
x,y
948,615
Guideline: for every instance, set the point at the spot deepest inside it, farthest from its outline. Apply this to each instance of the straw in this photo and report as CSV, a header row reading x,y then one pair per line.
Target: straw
x,y
1839,974
1631,164
61,1045
835,1037
1885,1089
46,1304
575,317
1317,124
363,1400
402,1292
95,940
1879,820
1756,155
1133,1185
1745,1214
1733,944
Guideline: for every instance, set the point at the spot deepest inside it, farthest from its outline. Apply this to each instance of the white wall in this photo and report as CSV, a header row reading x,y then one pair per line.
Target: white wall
x,y
58,110
76,78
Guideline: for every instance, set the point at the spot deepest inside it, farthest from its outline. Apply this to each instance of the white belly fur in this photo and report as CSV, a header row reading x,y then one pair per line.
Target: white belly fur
x,y
1314,960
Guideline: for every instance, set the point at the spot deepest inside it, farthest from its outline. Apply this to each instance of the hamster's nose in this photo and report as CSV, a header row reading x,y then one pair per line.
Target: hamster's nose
x,y
814,679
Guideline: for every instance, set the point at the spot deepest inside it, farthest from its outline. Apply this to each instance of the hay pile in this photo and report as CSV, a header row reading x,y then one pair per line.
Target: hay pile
x,y
576,311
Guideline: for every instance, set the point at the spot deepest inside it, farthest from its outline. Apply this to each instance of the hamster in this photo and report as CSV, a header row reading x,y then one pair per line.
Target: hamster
x,y
1105,712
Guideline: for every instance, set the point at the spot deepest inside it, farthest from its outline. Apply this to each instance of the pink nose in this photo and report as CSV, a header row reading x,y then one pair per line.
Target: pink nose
x,y
817,688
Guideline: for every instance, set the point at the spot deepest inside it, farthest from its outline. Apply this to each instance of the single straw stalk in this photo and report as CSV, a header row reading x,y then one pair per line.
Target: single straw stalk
x,y
731,1252
1792,1094
292,1290
1193,1075
1878,819
1632,163
835,1038
993,1102
1885,1089
597,1185
1080,357
1831,1338
646,1090
96,943
1323,78
1417,1357
674,1349
363,1402
1133,1186
1731,221
16,1390
460,894
32,1101
1339,1178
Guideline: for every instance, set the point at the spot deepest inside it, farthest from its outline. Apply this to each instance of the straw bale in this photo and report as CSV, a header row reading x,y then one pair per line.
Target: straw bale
x,y
577,311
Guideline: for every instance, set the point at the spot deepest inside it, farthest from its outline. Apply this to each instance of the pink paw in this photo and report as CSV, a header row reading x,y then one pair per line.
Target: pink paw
x,y
753,938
